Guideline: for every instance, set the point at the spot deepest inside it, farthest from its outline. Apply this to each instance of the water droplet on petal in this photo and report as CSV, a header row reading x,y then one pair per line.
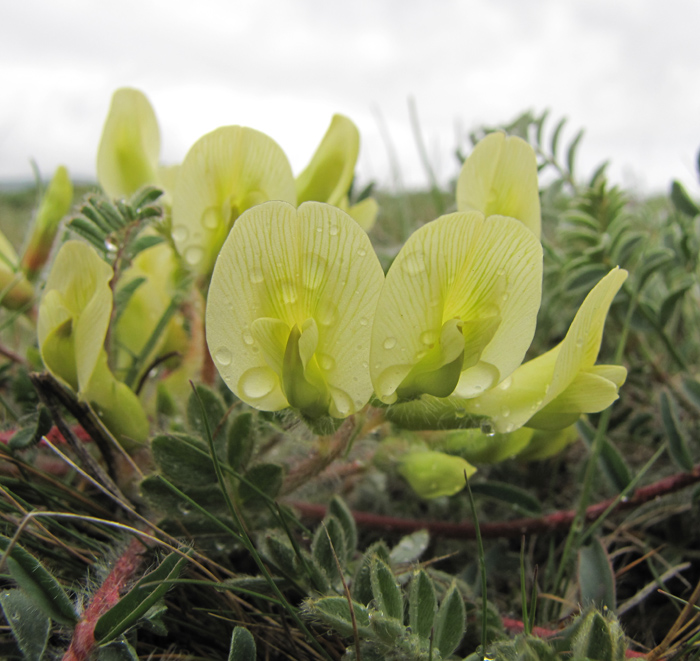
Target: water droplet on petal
x,y
110,245
288,292
500,271
326,313
180,233
222,356
414,263
248,337
258,382
429,337
342,401
390,343
505,413
256,276
363,321
211,218
460,413
314,272
325,361
506,383
333,231
487,428
361,252
194,255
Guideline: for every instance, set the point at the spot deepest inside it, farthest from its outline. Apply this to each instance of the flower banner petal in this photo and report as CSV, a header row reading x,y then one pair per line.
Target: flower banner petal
x,y
500,178
225,172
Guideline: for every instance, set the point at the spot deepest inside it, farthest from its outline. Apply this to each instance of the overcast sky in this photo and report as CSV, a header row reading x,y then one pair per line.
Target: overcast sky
x,y
628,71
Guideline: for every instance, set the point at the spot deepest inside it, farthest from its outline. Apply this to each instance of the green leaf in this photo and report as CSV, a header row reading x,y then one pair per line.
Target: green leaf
x,y
386,591
450,622
362,583
335,612
242,646
682,201
677,440
611,461
145,196
124,294
508,493
691,388
240,441
652,261
555,136
267,478
32,434
135,603
341,512
584,277
671,301
144,243
329,543
213,409
571,153
595,576
117,650
410,548
30,626
422,604
42,588
183,459
282,554
387,629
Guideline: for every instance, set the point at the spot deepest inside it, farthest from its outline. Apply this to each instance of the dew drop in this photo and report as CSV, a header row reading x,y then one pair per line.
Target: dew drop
x,y
288,292
429,337
211,218
414,264
361,252
314,271
319,229
460,413
194,255
505,296
326,313
500,271
180,233
390,343
505,413
363,321
579,343
506,383
248,337
333,231
487,428
342,402
325,361
222,356
258,382
110,245
256,276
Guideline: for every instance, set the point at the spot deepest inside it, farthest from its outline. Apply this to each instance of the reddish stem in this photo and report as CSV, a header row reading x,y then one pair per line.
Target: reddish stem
x,y
516,527
107,595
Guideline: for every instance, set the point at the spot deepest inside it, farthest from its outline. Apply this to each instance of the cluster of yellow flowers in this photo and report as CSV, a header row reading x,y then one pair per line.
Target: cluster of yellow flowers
x,y
299,312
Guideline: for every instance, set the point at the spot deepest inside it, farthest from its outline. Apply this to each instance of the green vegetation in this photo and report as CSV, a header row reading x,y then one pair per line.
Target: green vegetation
x,y
231,531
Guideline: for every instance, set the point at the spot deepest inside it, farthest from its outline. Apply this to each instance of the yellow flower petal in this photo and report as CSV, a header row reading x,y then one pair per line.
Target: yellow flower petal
x,y
225,172
500,178
312,269
485,273
80,280
537,383
435,474
127,158
328,176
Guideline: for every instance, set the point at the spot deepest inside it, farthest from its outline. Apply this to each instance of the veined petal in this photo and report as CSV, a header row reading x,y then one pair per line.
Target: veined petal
x,y
312,268
328,175
486,273
127,158
15,290
538,382
81,280
479,448
500,178
545,444
225,172
433,474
